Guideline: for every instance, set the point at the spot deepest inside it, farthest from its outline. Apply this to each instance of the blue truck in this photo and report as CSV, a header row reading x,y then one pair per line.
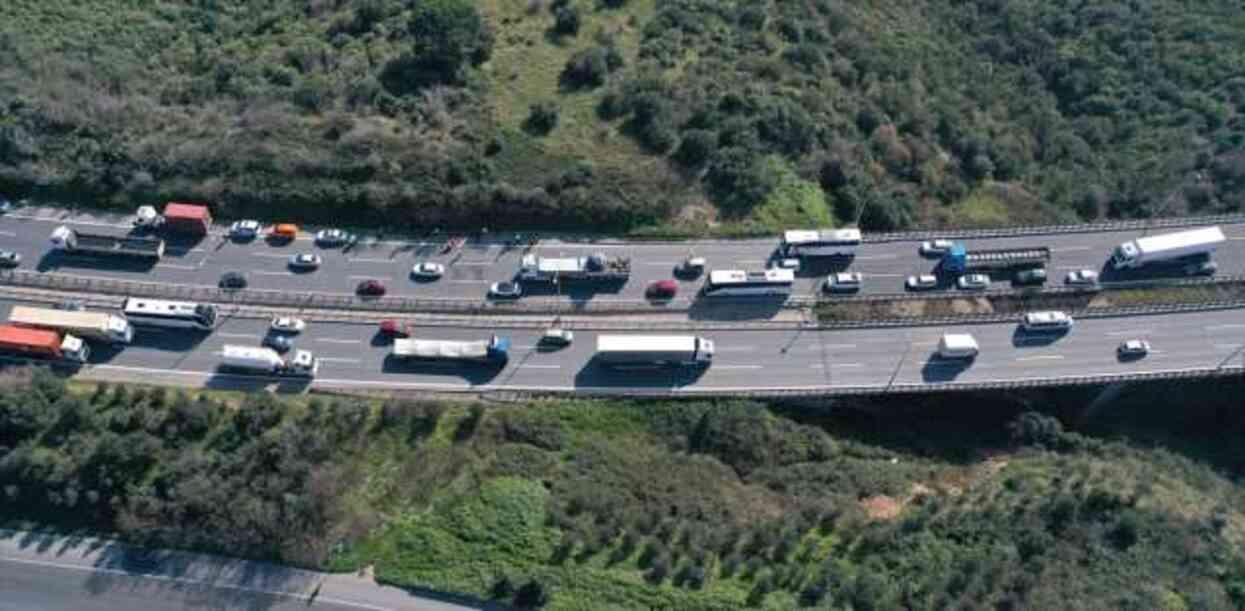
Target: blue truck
x,y
960,260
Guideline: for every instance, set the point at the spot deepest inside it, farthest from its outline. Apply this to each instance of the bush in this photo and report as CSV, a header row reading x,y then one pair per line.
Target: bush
x,y
587,68
531,595
542,118
696,148
566,20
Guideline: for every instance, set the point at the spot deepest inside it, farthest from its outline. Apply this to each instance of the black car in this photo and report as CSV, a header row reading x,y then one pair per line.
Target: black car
x,y
280,343
233,280
9,258
1036,275
370,288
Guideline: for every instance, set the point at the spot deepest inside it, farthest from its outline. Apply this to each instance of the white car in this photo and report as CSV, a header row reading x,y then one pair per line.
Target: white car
x,y
556,336
244,229
694,265
505,290
844,281
974,282
789,264
1082,277
306,260
333,237
287,324
936,247
921,283
1134,348
428,270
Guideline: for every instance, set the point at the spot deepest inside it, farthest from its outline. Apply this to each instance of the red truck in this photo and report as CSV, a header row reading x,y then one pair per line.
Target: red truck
x,y
394,328
42,343
190,219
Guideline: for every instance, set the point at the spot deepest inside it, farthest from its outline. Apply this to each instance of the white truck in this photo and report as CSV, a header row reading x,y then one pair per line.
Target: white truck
x,y
256,359
654,350
493,350
957,346
597,267
1167,247
98,326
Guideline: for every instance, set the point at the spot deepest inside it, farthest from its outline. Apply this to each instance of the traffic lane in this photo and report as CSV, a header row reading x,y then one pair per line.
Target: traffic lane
x,y
53,586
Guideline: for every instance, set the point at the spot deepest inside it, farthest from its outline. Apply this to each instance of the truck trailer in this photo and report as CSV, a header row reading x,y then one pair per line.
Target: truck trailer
x,y
256,359
654,350
597,267
494,350
97,326
959,260
70,240
43,343
1167,247
188,219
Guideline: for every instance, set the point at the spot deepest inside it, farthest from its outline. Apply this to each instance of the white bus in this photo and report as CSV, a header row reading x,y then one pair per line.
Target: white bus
x,y
729,283
159,313
820,242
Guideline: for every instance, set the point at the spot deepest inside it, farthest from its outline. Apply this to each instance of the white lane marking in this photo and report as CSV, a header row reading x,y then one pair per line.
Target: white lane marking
x,y
1132,332
1071,248
667,263
1236,237
471,263
816,366
847,365
540,366
736,367
11,234
330,340
876,257
832,347
224,586
269,255
737,349
873,275
243,335
263,273
467,281
1044,357
361,260
517,347
750,261
174,266
369,277
1231,326
334,359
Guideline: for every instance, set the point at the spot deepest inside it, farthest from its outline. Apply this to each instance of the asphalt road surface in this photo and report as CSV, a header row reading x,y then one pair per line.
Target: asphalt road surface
x,y
356,356
471,269
54,573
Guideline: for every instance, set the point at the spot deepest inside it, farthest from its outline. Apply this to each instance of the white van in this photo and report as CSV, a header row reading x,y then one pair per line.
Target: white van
x,y
1053,320
957,346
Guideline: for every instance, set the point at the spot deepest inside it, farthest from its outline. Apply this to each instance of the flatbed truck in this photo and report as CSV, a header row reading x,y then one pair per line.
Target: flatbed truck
x,y
71,240
960,260
597,267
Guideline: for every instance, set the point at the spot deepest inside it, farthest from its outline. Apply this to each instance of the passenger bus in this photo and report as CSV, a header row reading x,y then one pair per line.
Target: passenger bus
x,y
820,242
179,314
730,283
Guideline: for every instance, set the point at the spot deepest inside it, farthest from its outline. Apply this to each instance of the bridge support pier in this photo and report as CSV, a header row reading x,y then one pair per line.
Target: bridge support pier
x,y
1101,401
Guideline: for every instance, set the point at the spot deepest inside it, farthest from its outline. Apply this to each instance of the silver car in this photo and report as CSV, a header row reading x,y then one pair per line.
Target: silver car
x,y
305,260
244,229
974,282
844,282
1082,277
428,270
936,248
923,282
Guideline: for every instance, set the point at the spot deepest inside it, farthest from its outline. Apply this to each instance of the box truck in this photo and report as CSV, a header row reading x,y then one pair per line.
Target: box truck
x,y
42,343
189,219
1167,247
654,350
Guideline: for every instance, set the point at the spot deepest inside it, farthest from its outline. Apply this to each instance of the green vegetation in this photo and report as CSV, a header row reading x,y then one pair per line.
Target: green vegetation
x,y
656,116
922,503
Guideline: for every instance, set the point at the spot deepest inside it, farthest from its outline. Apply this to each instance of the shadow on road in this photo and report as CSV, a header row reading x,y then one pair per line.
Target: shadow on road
x,y
937,370
1031,339
736,308
472,373
596,374
56,259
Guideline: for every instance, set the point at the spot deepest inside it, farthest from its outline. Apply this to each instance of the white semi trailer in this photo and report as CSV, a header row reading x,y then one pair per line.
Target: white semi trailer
x,y
1167,247
654,350
98,326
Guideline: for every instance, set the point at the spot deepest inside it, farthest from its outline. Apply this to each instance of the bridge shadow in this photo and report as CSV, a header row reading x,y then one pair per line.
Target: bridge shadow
x,y
596,374
471,372
56,259
735,308
939,370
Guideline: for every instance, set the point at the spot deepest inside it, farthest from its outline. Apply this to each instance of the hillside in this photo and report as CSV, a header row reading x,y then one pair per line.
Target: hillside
x,y
918,503
641,115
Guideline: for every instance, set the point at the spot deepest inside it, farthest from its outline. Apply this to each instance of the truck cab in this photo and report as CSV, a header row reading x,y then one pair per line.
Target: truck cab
x,y
303,363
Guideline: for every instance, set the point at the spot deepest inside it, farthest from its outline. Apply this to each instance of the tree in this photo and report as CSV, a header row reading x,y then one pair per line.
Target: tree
x,y
531,595
566,20
587,68
697,147
450,35
1035,429
542,118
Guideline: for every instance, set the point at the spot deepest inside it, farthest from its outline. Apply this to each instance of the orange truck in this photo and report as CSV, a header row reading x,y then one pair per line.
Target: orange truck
x,y
42,343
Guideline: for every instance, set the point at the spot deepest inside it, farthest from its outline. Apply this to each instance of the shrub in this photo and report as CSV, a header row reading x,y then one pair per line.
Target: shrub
x,y
531,595
566,20
587,68
542,118
696,148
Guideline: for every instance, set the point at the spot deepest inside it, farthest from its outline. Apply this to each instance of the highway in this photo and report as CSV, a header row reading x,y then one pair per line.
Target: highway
x,y
354,356
53,573
471,269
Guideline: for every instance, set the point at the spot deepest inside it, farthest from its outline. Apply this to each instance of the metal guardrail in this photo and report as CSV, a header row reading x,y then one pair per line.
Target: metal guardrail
x,y
1007,232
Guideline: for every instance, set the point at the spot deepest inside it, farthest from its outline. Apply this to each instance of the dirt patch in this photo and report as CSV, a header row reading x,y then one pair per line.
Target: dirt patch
x,y
881,507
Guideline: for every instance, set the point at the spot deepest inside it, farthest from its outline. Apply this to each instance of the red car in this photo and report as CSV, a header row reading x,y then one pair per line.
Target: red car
x,y
662,289
371,288
393,328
